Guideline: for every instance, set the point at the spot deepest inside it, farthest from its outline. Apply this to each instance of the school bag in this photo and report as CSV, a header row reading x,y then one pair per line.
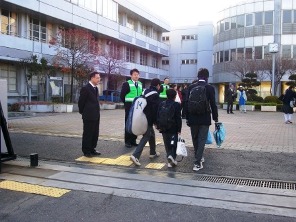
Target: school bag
x,y
197,101
165,116
137,123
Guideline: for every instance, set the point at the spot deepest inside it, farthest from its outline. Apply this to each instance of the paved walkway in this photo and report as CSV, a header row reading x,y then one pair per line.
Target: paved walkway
x,y
253,131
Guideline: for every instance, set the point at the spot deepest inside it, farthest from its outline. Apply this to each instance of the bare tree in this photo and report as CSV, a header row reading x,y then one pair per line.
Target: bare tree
x,y
76,49
241,67
34,67
111,62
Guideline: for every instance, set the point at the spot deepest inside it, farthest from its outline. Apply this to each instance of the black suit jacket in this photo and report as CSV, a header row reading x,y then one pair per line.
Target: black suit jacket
x,y
88,103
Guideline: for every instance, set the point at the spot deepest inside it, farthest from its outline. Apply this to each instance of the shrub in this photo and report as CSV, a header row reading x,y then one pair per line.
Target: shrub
x,y
272,99
255,98
15,107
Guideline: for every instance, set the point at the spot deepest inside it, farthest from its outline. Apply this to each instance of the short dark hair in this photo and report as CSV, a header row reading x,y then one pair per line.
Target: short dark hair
x,y
134,70
171,94
166,78
203,73
155,82
92,74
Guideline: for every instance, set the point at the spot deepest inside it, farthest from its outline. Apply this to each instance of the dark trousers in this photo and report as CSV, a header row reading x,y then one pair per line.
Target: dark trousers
x,y
149,136
229,106
184,104
128,137
90,135
199,134
170,148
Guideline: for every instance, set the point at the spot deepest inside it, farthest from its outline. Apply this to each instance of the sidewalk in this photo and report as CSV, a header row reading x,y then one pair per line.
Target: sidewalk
x,y
253,131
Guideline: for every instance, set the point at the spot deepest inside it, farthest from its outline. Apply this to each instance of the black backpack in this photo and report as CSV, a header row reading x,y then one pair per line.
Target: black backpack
x,y
197,101
165,116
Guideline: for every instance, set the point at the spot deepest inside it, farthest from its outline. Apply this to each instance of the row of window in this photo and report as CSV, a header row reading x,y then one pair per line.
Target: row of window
x,y
8,23
289,16
183,62
245,20
183,37
257,52
106,8
8,72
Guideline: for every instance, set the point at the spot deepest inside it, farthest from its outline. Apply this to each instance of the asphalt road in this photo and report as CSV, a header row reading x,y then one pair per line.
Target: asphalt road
x,y
220,162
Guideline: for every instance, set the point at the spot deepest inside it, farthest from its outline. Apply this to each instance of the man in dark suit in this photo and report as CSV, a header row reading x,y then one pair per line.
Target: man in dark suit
x,y
230,96
130,90
199,123
89,108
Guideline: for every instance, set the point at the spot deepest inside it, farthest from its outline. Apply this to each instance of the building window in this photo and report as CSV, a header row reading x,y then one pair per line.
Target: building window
x,y
130,23
110,9
240,21
189,37
130,55
8,22
286,51
287,16
143,29
221,56
165,62
221,26
8,72
227,24
165,38
249,52
268,17
249,20
258,18
154,62
294,51
233,23
143,58
294,16
258,52
232,55
226,56
189,61
240,53
37,30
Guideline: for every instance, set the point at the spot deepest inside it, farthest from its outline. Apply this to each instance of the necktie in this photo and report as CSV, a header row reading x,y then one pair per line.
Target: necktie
x,y
136,84
96,89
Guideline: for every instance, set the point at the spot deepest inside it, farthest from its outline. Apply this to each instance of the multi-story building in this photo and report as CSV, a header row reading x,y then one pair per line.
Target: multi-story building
x,y
190,49
27,27
243,33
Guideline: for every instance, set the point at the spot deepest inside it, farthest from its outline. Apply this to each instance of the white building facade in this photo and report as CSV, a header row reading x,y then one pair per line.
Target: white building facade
x,y
191,48
244,31
28,26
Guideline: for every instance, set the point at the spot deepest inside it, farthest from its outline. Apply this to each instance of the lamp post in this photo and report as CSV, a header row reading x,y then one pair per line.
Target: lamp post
x,y
273,49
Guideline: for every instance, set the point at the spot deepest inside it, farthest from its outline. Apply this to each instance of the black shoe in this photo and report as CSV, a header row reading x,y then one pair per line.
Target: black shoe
x,y
232,112
95,153
128,145
134,144
88,155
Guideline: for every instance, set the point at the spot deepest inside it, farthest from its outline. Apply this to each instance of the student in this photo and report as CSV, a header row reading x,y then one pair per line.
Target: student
x,y
199,123
170,124
242,98
151,113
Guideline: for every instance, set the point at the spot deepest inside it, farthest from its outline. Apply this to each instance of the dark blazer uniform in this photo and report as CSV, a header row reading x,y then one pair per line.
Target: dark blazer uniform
x,y
89,108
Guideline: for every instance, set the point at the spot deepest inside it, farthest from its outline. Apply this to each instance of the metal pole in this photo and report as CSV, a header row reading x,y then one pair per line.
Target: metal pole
x,y
273,70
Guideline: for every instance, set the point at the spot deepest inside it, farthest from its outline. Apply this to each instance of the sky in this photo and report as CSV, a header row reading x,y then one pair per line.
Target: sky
x,y
185,12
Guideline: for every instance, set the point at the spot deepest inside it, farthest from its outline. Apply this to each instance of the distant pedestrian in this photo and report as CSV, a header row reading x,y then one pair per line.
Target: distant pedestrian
x,y
199,123
169,123
230,97
130,90
287,109
242,98
163,88
184,100
151,113
89,108
178,98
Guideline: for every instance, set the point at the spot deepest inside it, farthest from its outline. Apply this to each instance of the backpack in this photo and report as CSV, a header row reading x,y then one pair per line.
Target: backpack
x,y
197,101
137,123
165,116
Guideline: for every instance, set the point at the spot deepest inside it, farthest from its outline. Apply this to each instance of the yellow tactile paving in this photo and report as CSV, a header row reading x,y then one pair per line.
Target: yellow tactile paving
x,y
155,166
120,161
30,188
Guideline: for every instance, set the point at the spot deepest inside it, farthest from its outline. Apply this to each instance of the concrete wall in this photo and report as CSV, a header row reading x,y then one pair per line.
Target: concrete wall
x,y
3,99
